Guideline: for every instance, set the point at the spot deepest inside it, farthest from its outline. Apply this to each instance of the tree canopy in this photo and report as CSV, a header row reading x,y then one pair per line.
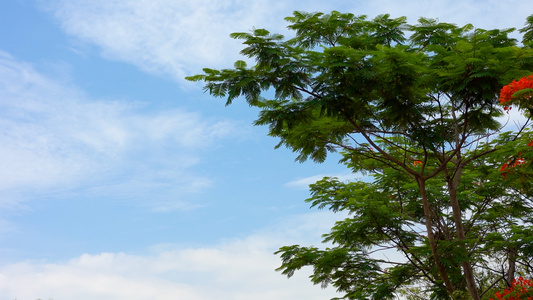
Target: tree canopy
x,y
415,107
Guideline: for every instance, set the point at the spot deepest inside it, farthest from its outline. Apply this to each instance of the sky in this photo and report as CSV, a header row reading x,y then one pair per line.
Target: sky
x,y
121,180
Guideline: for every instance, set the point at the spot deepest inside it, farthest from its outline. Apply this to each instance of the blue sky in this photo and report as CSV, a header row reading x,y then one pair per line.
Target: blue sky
x,y
120,180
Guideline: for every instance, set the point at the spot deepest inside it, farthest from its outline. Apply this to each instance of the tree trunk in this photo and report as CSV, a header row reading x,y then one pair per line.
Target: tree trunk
x,y
453,183
431,237
512,266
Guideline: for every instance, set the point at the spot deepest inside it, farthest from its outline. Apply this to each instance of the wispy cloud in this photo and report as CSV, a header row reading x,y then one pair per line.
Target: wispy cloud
x,y
238,269
487,14
164,36
179,37
54,137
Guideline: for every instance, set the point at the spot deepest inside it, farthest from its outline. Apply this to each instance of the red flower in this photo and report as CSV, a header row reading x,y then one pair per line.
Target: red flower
x,y
506,167
416,163
517,289
507,92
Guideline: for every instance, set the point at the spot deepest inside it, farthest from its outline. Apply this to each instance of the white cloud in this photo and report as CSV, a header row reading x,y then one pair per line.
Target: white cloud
x,y
513,120
55,137
179,37
165,36
486,14
239,269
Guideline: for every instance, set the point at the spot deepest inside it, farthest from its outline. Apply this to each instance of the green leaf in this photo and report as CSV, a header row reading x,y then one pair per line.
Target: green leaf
x,y
240,64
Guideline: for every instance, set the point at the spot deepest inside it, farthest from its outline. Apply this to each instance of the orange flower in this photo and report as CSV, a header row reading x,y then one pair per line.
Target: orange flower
x,y
506,167
518,287
507,92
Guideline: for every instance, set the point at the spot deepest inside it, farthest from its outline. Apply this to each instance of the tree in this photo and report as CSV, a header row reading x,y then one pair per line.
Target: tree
x,y
418,114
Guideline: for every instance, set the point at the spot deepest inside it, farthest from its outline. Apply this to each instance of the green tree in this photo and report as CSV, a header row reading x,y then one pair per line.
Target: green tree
x,y
415,107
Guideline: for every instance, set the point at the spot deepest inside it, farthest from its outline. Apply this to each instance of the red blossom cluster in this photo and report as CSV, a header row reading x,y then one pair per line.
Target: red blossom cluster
x,y
520,289
506,94
519,160
506,167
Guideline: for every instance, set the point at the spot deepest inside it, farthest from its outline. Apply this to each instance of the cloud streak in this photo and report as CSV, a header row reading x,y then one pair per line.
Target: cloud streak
x,y
164,36
238,269
55,137
178,38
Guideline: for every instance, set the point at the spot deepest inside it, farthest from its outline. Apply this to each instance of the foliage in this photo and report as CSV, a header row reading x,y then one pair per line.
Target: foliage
x,y
416,108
